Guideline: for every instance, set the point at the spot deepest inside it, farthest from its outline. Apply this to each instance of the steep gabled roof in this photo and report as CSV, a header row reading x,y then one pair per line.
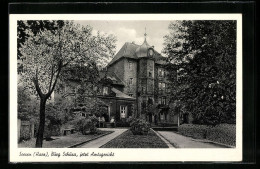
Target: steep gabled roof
x,y
128,50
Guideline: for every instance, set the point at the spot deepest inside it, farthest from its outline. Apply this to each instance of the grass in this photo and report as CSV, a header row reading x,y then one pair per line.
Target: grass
x,y
128,140
223,133
62,141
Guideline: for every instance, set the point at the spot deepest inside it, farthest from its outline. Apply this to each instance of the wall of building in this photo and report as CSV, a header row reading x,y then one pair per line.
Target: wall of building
x,y
130,72
150,77
158,94
118,68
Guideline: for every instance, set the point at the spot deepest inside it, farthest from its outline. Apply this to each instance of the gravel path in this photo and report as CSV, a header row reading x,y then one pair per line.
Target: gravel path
x,y
103,140
180,141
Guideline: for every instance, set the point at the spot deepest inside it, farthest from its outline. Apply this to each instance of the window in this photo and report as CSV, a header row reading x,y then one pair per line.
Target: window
x,y
166,73
143,89
130,65
130,95
105,90
162,86
160,72
167,88
150,100
131,81
163,100
123,111
150,74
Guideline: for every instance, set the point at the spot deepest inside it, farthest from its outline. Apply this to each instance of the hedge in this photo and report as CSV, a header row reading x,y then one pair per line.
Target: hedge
x,y
223,133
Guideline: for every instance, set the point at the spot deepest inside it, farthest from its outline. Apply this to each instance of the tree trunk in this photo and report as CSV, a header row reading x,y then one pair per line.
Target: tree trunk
x,y
39,138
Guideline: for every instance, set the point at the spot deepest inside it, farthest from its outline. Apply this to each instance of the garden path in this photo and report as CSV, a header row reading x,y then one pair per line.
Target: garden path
x,y
103,140
180,141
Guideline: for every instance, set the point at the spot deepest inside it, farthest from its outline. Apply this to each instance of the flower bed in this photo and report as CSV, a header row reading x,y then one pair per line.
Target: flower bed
x,y
223,133
129,140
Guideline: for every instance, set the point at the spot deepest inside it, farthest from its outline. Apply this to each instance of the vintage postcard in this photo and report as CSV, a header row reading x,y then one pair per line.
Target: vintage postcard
x,y
125,87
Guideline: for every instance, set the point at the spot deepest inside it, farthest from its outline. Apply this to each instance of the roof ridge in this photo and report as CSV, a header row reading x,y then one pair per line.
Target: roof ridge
x,y
128,50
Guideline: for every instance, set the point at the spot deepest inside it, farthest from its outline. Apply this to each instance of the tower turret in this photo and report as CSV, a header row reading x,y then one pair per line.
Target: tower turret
x,y
145,73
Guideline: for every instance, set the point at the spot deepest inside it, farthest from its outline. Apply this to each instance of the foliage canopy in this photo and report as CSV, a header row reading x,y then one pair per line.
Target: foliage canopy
x,y
204,55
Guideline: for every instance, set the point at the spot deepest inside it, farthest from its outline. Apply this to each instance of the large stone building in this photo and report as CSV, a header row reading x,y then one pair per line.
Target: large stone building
x,y
140,69
136,86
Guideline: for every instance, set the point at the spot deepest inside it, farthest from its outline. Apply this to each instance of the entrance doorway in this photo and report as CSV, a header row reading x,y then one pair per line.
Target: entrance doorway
x,y
106,117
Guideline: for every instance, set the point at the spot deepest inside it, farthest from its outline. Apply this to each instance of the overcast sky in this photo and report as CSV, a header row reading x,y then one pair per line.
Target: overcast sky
x,y
132,31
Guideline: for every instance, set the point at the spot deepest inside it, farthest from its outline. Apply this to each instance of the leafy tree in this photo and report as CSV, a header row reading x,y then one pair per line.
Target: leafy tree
x,y
89,84
48,52
204,55
35,27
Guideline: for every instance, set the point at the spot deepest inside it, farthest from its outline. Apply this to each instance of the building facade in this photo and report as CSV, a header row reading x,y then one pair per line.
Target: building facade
x,y
141,69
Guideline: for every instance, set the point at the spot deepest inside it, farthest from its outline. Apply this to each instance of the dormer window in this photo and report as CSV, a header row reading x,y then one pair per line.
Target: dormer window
x,y
150,52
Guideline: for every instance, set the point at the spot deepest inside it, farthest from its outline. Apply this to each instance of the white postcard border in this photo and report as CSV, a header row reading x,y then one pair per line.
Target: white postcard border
x,y
121,155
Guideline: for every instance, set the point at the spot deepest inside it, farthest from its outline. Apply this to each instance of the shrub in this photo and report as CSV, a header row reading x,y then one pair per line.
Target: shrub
x,y
52,130
47,133
86,125
140,127
122,123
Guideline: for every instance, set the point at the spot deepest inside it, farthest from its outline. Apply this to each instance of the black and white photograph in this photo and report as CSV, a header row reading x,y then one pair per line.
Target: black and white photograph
x,y
152,87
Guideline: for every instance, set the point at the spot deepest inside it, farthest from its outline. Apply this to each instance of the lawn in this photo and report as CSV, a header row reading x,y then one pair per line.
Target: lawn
x,y
128,140
63,141
223,133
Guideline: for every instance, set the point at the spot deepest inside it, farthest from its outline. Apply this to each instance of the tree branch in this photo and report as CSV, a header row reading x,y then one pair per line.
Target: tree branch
x,y
36,84
56,79
52,73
